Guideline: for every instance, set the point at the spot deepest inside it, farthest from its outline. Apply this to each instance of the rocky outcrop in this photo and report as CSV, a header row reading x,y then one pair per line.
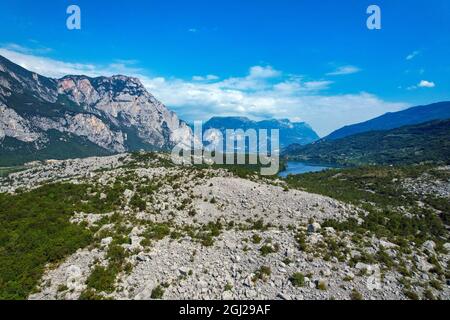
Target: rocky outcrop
x,y
115,113
87,125
126,103
13,125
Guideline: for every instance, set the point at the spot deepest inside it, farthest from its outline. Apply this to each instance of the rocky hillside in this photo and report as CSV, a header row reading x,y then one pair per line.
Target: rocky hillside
x,y
93,115
388,121
427,142
138,227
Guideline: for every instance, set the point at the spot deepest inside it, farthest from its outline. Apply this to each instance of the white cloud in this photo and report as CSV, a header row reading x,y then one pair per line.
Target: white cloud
x,y
426,84
412,55
263,92
193,30
209,77
344,70
56,68
258,72
422,84
317,85
35,50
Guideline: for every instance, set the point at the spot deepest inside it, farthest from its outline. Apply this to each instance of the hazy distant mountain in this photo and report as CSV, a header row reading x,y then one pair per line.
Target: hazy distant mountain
x,y
415,115
290,132
427,142
90,115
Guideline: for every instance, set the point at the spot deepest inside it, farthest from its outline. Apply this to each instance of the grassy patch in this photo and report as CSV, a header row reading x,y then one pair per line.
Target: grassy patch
x,y
5,171
262,273
268,249
297,279
157,293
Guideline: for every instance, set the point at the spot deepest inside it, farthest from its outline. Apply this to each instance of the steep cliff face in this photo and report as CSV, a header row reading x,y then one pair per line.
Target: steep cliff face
x,y
13,125
114,113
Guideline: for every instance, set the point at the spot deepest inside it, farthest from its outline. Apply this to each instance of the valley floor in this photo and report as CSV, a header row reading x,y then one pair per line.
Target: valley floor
x,y
152,230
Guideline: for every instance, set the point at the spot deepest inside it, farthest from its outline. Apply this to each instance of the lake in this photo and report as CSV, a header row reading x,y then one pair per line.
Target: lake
x,y
295,167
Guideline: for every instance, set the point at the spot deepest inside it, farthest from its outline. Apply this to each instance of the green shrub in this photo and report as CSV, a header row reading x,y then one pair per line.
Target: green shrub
x,y
138,203
436,284
35,230
256,239
411,294
62,288
259,225
297,279
268,249
157,231
157,293
102,279
356,295
301,241
228,287
428,295
89,294
262,273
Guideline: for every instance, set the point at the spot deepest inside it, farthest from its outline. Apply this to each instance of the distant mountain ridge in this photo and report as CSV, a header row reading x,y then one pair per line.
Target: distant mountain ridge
x,y
411,116
422,143
110,114
290,132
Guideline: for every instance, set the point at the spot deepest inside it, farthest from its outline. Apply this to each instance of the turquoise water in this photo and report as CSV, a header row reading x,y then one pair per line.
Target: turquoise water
x,y
294,167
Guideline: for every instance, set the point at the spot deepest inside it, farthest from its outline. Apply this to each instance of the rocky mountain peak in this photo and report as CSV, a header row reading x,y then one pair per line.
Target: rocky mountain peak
x,y
14,78
115,113
83,89
290,132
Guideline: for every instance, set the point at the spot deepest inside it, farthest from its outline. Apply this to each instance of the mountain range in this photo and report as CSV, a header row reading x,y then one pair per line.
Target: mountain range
x,y
79,116
89,116
411,116
421,143
415,135
289,132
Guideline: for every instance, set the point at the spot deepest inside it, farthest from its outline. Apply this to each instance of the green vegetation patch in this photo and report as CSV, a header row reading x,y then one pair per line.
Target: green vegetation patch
x,y
157,293
297,279
5,171
35,230
103,279
378,191
423,143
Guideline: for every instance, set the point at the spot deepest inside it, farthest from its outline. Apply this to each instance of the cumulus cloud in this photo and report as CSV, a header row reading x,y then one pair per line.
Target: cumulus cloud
x,y
426,84
263,92
423,84
259,72
344,70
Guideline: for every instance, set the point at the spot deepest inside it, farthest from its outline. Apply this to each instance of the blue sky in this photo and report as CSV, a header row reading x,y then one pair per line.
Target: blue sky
x,y
312,61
